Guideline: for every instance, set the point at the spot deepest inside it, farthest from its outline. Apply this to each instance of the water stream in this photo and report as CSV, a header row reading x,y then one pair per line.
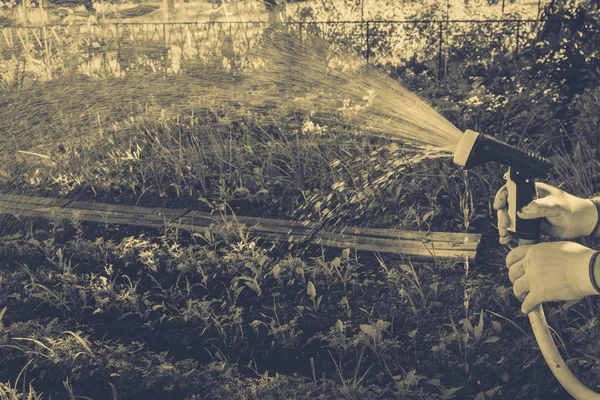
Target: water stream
x,y
312,77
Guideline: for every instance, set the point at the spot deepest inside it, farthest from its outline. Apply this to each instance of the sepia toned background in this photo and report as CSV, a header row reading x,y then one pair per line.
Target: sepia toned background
x,y
289,111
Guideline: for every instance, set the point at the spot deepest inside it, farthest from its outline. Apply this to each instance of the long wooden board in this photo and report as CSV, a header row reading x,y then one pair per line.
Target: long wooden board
x,y
418,245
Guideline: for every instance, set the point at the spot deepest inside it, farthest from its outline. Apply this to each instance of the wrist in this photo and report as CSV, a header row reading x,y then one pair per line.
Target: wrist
x,y
594,216
585,278
595,272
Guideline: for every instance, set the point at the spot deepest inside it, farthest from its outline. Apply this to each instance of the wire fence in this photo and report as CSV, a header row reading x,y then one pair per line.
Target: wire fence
x,y
174,47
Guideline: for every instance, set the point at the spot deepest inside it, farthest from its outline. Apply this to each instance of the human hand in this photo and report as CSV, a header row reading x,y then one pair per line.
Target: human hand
x,y
564,216
557,271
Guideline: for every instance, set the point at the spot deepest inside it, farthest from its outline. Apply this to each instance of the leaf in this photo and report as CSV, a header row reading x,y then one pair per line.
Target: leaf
x,y
382,325
491,392
241,192
336,262
435,382
480,396
491,339
368,330
127,314
346,254
428,216
254,286
263,192
411,378
255,323
434,287
478,331
479,360
496,326
262,261
449,393
310,289
339,326
406,268
80,340
467,325
34,242
276,271
36,342
577,153
239,290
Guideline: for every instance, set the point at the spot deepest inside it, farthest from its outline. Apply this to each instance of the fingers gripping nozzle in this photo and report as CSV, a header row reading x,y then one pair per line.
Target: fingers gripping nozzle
x,y
476,149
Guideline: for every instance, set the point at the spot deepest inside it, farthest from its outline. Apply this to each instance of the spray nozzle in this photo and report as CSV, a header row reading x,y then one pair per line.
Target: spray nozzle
x,y
476,149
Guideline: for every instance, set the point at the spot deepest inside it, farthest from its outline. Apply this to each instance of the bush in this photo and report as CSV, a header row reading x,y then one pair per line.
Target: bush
x,y
568,51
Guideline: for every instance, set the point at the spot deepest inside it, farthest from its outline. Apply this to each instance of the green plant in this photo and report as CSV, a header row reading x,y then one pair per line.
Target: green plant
x,y
338,341
470,338
9,392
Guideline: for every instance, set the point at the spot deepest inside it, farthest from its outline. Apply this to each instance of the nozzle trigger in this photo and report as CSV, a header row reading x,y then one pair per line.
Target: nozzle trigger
x,y
521,191
511,187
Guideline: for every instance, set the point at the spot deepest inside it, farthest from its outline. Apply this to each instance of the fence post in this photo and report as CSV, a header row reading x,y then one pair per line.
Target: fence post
x,y
24,12
165,5
367,38
440,50
518,36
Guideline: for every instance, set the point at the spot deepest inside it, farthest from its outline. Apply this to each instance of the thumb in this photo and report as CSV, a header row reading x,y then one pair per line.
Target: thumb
x,y
530,303
500,199
540,208
544,190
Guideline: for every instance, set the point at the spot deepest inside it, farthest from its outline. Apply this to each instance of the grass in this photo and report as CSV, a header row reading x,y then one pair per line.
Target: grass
x,y
232,303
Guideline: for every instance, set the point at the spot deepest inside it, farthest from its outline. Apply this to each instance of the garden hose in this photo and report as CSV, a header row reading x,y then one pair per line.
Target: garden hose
x,y
557,365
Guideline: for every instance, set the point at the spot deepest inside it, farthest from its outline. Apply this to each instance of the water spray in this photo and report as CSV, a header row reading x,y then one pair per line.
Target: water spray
x,y
523,168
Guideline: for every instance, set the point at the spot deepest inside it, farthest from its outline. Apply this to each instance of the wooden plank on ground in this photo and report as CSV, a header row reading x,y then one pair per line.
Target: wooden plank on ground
x,y
297,227
420,245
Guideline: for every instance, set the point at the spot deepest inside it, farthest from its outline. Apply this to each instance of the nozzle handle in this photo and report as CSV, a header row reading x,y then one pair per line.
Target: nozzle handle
x,y
523,185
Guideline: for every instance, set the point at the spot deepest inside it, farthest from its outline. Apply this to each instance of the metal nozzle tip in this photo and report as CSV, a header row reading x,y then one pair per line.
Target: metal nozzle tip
x,y
465,145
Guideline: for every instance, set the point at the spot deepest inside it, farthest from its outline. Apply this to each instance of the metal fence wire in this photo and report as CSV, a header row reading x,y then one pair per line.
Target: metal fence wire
x,y
119,48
